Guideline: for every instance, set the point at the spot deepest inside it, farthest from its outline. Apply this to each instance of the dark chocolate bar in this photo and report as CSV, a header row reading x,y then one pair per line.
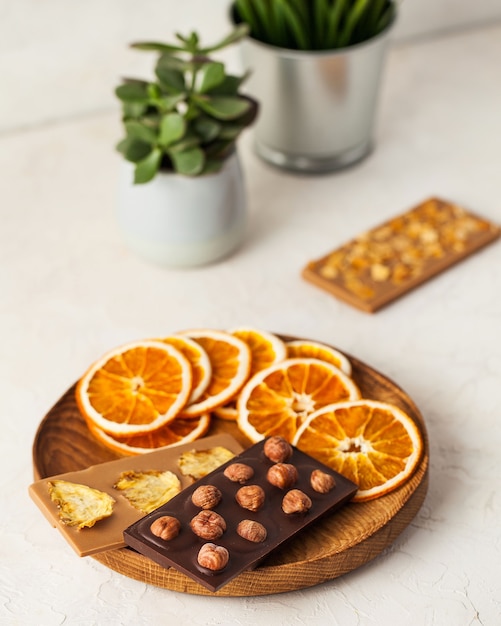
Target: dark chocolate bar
x,y
181,552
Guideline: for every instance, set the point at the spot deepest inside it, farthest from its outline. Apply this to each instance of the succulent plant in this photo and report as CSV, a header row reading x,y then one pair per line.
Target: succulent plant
x,y
188,119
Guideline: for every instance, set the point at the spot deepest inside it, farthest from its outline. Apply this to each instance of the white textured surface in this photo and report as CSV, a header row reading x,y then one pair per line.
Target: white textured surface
x,y
71,290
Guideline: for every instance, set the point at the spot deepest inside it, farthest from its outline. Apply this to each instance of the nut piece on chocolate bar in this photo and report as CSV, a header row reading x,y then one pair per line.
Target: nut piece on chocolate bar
x,y
296,501
252,531
239,472
250,497
208,525
282,475
322,482
206,496
213,557
277,449
166,527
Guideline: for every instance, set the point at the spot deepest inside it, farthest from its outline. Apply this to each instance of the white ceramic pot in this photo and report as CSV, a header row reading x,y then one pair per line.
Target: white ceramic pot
x,y
182,221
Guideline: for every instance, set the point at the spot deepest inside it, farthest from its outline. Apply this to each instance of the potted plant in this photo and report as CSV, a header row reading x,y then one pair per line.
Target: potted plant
x,y
182,197
318,67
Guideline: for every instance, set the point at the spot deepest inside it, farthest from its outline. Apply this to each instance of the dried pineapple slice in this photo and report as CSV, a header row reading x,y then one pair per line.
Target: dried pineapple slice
x,y
80,505
148,490
199,463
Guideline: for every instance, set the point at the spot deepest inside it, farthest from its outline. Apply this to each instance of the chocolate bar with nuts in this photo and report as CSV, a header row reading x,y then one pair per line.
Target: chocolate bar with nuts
x,y
230,520
379,266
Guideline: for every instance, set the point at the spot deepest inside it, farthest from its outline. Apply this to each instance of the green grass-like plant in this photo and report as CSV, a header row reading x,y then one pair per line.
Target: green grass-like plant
x,y
314,24
188,119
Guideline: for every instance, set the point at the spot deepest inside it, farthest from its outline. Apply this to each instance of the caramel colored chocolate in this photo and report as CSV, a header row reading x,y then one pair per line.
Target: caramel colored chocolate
x,y
107,534
386,262
244,554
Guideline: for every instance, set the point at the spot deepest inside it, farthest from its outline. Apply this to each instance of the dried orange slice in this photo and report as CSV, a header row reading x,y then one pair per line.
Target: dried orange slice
x,y
135,388
230,360
266,349
374,444
200,363
316,350
175,432
278,399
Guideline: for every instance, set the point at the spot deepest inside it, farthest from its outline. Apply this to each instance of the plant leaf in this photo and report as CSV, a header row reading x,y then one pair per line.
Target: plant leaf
x,y
134,92
207,128
188,162
224,108
138,130
241,31
170,73
157,47
210,75
133,150
172,128
230,85
148,167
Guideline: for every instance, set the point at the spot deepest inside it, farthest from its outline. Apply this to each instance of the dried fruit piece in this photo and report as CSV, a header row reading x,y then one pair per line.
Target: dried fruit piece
x,y
199,463
148,490
374,444
80,505
135,388
278,399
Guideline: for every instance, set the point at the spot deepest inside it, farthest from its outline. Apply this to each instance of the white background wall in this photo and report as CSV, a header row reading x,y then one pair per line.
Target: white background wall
x,y
61,58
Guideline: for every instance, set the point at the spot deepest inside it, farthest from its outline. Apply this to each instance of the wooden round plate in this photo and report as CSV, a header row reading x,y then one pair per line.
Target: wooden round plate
x,y
334,546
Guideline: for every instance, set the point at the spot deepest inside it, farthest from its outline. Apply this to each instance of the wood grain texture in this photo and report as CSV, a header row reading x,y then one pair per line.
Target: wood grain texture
x,y
335,545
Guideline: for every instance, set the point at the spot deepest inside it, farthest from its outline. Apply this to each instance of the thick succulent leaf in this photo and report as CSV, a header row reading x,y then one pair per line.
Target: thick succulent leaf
x,y
224,108
212,166
207,128
210,75
134,92
138,130
169,103
189,162
148,167
229,86
133,109
134,150
172,128
170,73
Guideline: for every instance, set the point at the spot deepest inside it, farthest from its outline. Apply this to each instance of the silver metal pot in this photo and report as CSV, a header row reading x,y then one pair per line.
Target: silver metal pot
x,y
317,109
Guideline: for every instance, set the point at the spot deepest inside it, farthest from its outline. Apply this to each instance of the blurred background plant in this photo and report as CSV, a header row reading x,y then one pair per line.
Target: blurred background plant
x,y
314,24
188,119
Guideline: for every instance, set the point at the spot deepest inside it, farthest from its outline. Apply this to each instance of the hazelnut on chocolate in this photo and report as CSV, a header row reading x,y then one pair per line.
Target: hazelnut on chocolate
x,y
322,482
206,496
282,475
213,557
250,497
252,531
277,449
239,472
296,501
208,525
166,527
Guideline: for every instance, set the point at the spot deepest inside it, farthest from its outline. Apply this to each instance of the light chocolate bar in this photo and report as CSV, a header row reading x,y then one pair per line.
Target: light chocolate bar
x,y
382,264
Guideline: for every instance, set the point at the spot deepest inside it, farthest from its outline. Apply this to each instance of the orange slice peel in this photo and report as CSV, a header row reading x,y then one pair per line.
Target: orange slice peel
x,y
278,399
374,444
135,388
